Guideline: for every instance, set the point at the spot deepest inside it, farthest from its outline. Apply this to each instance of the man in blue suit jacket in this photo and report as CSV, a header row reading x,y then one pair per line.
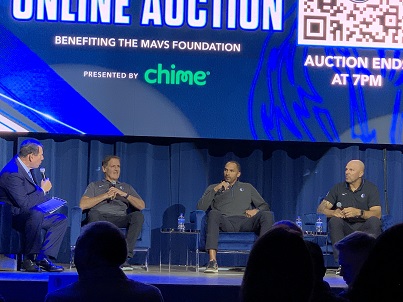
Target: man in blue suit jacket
x,y
19,189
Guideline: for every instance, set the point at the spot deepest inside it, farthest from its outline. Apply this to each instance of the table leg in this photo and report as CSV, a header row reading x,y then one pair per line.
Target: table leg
x,y
169,253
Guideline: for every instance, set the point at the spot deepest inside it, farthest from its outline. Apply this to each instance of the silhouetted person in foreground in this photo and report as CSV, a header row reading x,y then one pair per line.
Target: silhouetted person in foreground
x,y
353,252
100,250
288,225
279,269
322,291
380,277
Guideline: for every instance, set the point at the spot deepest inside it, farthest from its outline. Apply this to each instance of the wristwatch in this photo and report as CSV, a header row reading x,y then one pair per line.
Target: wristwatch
x,y
127,196
362,213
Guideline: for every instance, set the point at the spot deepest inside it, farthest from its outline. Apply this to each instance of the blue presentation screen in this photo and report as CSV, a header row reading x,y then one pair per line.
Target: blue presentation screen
x,y
309,70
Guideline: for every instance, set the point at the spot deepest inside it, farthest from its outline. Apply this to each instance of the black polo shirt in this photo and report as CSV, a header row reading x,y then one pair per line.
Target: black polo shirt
x,y
365,197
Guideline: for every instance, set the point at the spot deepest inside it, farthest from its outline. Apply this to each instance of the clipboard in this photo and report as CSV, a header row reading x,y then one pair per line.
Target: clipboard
x,y
50,206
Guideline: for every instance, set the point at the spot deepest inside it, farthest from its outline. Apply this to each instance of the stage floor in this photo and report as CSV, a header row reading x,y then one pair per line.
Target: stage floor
x,y
15,286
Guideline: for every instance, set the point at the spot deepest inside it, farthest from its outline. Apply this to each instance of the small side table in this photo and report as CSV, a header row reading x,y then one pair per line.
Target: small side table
x,y
314,236
171,231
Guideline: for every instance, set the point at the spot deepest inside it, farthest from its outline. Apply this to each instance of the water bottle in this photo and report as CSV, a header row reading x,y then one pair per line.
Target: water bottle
x,y
181,223
299,222
319,225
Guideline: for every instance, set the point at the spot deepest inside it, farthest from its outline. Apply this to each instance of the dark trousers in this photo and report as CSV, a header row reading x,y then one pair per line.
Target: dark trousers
x,y
216,222
133,222
340,228
31,224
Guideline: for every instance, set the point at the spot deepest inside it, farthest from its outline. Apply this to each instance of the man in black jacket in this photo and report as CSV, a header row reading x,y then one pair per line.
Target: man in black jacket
x,y
232,206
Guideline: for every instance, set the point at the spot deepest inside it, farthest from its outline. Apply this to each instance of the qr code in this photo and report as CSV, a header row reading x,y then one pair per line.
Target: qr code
x,y
351,23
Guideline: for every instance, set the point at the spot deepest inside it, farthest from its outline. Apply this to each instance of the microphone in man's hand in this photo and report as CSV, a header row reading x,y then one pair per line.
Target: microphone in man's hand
x,y
222,189
339,205
42,170
111,185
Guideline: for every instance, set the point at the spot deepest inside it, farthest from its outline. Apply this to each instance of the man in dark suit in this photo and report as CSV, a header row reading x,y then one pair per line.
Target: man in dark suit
x,y
19,188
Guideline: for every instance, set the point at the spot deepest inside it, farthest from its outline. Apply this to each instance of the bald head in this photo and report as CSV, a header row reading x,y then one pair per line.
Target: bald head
x,y
354,172
358,164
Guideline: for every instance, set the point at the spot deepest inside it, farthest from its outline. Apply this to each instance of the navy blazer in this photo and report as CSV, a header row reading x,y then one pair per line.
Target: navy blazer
x,y
18,189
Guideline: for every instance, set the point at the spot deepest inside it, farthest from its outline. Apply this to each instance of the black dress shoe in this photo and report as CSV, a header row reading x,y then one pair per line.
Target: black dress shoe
x,y
48,266
30,266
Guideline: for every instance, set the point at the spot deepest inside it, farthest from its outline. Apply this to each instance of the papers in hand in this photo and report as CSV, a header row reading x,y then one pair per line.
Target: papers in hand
x,y
51,205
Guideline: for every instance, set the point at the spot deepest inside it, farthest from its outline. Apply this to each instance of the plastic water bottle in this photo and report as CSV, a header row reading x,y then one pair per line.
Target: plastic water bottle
x,y
319,225
181,223
299,222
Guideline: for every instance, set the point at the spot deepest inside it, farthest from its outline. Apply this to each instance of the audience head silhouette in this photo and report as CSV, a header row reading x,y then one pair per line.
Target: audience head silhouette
x,y
279,268
353,251
321,291
100,250
289,225
319,268
380,277
101,244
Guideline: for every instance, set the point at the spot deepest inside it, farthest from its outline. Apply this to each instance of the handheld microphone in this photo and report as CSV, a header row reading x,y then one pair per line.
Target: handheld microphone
x,y
111,185
222,188
339,205
42,170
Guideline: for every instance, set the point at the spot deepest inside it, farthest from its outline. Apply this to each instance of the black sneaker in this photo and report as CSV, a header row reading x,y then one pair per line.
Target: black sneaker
x,y
212,267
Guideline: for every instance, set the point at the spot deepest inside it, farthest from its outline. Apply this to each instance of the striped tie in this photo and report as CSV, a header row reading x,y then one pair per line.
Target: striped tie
x,y
30,175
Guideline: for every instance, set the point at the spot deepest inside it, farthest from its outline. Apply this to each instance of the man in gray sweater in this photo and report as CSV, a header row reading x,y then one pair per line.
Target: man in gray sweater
x,y
232,206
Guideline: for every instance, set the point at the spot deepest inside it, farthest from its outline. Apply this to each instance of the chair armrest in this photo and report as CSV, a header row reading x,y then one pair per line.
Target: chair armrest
x,y
196,218
5,226
5,213
387,222
75,226
146,230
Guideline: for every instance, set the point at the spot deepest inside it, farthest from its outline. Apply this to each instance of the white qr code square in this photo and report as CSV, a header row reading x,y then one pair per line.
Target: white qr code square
x,y
351,23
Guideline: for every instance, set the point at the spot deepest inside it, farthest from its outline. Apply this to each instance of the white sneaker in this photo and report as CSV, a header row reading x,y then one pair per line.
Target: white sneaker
x,y
126,267
338,271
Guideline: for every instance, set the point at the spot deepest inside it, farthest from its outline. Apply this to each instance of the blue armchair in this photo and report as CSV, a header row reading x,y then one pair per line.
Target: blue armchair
x,y
9,238
143,243
228,242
